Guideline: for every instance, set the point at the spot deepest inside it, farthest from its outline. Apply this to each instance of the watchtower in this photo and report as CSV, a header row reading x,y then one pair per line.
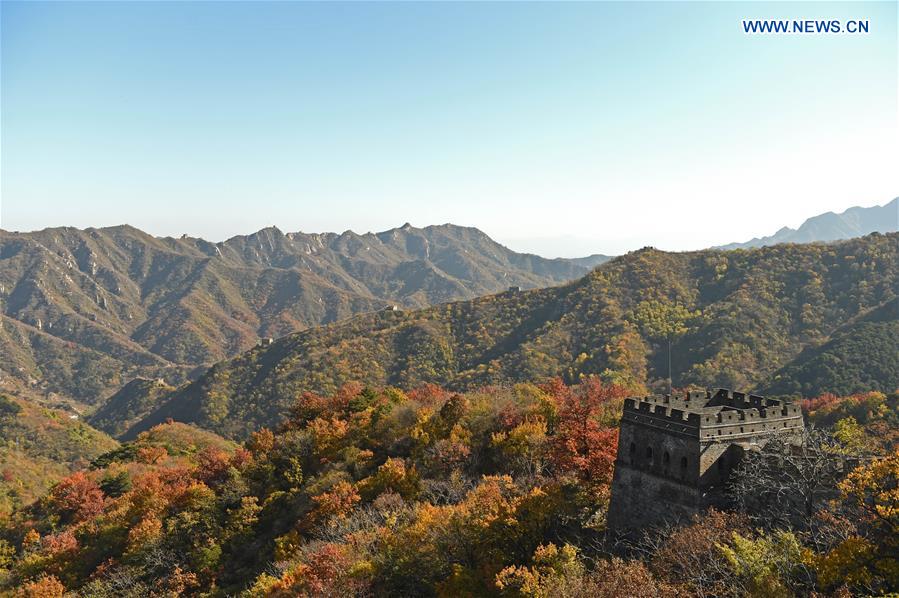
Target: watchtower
x,y
676,452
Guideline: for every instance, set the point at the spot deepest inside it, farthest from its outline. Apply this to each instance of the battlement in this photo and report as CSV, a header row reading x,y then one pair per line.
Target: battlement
x,y
676,412
703,409
670,418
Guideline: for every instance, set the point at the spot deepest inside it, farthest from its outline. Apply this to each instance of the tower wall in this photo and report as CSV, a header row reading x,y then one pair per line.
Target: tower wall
x,y
676,453
656,476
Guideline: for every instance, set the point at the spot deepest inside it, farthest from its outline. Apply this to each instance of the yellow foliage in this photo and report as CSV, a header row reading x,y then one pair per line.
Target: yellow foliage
x,y
846,563
147,531
551,567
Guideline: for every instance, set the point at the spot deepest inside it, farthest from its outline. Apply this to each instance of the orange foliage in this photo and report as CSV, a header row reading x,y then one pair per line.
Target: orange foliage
x,y
153,491
59,543
77,497
47,586
325,571
261,442
151,454
147,531
336,502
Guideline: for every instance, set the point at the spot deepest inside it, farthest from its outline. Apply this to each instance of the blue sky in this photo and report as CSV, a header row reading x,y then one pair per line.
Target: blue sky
x,y
563,129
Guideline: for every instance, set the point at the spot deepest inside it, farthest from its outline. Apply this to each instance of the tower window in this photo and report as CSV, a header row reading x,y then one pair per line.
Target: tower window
x,y
666,459
649,454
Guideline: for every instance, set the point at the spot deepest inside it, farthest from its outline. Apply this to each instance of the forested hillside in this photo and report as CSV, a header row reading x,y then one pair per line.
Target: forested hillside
x,y
129,404
498,492
862,356
82,312
38,446
735,319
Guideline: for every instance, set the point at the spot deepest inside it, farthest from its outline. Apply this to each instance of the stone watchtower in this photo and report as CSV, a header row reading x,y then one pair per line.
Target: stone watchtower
x,y
676,452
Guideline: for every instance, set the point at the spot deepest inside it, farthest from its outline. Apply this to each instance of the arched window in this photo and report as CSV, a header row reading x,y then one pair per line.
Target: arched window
x,y
666,459
633,452
649,455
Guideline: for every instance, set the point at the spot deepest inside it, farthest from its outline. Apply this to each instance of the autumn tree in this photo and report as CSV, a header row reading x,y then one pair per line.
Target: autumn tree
x,y
581,443
552,566
871,558
770,565
47,586
77,497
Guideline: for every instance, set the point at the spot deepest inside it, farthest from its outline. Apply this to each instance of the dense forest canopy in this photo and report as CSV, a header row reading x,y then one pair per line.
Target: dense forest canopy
x,y
500,491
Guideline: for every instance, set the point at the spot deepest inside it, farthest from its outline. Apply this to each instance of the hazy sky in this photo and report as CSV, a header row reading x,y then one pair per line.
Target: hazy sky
x,y
563,129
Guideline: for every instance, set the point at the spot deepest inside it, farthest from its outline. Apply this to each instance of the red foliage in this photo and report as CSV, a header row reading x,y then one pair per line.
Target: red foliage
x,y
212,466
428,395
325,571
58,543
581,444
809,405
448,454
241,458
311,405
326,566
77,497
509,416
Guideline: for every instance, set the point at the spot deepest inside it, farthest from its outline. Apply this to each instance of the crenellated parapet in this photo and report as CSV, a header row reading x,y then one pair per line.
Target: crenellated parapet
x,y
665,415
701,410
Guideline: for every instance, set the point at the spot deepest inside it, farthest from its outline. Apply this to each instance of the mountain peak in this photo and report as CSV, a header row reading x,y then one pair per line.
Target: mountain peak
x,y
118,299
829,226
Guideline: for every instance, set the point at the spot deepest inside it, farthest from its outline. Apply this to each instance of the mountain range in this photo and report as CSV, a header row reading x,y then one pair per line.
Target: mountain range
x,y
745,318
82,312
827,227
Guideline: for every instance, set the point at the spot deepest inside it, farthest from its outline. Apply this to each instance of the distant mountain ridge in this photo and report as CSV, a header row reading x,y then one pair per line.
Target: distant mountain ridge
x,y
82,312
828,227
591,261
